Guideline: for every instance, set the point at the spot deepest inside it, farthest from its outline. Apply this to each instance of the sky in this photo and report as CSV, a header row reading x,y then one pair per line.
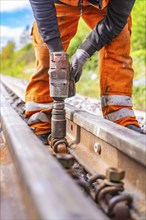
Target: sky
x,y
16,15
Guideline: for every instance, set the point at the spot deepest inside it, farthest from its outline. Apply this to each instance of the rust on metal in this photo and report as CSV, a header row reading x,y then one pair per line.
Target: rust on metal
x,y
126,141
98,144
98,163
4,153
12,203
58,145
126,198
121,211
96,177
66,160
43,177
115,174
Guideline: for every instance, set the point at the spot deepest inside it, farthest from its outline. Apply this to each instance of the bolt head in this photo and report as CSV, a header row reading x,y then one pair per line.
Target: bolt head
x,y
61,148
115,174
97,148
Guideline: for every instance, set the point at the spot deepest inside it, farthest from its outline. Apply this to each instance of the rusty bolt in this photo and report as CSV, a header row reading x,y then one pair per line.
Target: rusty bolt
x,y
97,148
67,160
115,174
61,148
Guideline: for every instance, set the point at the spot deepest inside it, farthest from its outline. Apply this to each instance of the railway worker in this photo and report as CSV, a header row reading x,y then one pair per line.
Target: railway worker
x,y
56,24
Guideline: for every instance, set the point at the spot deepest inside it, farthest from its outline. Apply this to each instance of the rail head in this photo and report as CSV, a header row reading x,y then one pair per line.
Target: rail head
x,y
125,140
52,193
12,83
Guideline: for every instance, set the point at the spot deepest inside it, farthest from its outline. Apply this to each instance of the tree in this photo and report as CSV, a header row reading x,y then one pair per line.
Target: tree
x,y
8,51
139,30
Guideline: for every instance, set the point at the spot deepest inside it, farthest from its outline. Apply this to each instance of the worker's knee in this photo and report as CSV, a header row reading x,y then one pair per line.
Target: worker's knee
x,y
42,57
41,50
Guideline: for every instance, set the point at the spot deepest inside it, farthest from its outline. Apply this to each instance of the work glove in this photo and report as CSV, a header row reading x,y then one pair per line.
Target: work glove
x,y
78,61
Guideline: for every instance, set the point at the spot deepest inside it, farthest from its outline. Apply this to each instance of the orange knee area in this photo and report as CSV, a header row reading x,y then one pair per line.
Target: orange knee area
x,y
115,65
41,127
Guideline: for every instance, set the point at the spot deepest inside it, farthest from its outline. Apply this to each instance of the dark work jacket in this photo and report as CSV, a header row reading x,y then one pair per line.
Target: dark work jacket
x,y
108,28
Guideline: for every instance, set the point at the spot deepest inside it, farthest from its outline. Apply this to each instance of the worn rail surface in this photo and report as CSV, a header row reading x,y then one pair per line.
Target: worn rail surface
x,y
49,193
98,145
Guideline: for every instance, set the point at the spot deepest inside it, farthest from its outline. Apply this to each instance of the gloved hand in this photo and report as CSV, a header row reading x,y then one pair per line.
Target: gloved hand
x,y
78,61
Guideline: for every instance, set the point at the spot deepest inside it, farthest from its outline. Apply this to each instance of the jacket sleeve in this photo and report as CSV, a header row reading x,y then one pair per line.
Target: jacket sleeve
x,y
45,14
108,28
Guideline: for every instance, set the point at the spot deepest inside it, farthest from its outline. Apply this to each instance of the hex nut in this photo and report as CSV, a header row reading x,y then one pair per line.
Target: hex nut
x,y
115,174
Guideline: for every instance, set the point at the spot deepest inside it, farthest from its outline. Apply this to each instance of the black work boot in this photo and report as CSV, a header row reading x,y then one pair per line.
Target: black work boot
x,y
135,128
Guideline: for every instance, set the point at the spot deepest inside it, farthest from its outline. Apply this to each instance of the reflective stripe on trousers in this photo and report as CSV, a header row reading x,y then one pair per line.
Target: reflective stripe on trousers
x,y
117,115
117,100
39,117
35,106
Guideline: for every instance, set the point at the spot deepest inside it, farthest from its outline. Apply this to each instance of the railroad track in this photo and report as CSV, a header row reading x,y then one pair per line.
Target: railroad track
x,y
103,153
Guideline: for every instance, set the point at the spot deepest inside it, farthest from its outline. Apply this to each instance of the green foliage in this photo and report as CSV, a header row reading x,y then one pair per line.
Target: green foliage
x,y
139,39
8,51
14,62
139,27
7,56
139,97
139,52
82,32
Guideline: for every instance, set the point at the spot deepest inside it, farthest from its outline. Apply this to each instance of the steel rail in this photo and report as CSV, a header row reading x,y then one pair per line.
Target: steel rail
x,y
14,84
50,192
98,144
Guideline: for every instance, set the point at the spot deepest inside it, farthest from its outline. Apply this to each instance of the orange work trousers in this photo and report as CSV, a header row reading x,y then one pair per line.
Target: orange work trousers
x,y
115,63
